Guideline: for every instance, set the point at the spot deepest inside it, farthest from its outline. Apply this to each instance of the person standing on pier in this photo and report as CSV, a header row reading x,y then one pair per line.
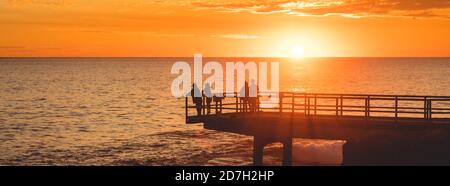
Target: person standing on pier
x,y
197,98
217,98
253,96
208,96
244,96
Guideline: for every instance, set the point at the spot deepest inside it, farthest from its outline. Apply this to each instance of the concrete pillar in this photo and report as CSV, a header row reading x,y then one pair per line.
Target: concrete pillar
x,y
258,151
348,156
287,152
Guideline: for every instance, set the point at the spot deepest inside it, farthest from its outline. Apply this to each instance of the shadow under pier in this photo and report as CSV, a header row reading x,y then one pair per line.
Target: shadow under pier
x,y
369,141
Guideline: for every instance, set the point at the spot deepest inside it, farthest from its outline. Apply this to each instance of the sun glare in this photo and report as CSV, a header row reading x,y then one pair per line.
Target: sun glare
x,y
297,51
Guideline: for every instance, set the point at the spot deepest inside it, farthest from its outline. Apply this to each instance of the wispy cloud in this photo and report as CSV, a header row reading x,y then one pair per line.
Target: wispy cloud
x,y
41,2
237,36
347,8
169,35
12,47
137,32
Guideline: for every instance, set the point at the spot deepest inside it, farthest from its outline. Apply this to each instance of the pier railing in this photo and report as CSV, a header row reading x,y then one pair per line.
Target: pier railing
x,y
364,105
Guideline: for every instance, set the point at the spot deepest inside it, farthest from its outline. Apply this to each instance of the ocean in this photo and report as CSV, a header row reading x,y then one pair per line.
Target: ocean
x,y
119,111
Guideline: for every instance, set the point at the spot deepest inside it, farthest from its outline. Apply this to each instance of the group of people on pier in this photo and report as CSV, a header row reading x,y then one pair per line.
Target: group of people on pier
x,y
248,97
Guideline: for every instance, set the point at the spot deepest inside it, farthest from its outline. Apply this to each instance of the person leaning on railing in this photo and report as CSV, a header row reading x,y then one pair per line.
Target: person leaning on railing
x,y
208,96
253,96
244,97
217,98
197,100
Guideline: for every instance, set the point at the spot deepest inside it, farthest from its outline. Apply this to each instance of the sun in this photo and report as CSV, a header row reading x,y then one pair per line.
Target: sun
x,y
297,51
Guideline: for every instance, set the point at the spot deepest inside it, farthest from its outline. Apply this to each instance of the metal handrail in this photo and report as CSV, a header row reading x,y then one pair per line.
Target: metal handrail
x,y
337,104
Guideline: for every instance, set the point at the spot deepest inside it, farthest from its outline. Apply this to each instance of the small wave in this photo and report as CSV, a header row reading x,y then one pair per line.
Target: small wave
x,y
158,145
39,99
83,130
76,114
150,98
226,161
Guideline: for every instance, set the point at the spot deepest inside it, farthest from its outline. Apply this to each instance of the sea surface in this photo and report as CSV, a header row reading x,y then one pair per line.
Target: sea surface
x,y
120,111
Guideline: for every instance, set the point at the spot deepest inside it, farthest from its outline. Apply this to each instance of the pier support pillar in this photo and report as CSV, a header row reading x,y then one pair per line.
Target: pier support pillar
x,y
258,151
287,152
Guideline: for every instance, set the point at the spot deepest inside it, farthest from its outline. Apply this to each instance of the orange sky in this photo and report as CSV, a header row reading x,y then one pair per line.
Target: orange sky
x,y
139,28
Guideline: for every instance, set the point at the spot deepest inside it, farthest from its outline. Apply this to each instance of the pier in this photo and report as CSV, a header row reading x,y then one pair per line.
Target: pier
x,y
378,129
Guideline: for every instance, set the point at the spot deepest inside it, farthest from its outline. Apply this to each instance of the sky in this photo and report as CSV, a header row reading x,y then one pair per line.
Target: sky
x,y
224,28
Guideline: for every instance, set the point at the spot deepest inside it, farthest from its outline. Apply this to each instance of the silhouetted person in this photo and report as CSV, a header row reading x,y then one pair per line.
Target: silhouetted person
x,y
208,96
217,98
253,96
197,100
244,96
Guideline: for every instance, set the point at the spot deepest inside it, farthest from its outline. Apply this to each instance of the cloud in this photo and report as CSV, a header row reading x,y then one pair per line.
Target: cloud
x,y
237,36
347,8
143,33
169,35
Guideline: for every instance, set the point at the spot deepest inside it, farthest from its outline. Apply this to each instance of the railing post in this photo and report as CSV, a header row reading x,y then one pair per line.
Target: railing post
x,y
217,109
315,104
425,108
337,106
368,106
309,107
204,105
342,105
365,107
237,102
186,108
221,103
280,97
304,102
293,102
396,106
430,109
257,102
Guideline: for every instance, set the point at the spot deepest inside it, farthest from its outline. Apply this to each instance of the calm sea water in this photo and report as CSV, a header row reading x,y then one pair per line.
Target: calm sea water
x,y
110,111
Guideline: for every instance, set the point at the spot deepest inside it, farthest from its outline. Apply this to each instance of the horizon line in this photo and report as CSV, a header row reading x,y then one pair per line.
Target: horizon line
x,y
3,57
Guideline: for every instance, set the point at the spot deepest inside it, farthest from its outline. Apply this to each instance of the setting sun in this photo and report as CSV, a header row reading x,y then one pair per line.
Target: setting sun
x,y
297,52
